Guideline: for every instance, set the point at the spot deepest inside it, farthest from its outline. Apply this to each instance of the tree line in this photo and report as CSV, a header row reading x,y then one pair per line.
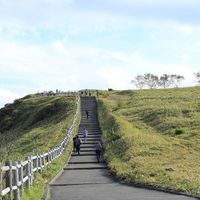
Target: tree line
x,y
153,81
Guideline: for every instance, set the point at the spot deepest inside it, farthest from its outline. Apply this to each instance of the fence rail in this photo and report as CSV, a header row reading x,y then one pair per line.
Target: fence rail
x,y
14,176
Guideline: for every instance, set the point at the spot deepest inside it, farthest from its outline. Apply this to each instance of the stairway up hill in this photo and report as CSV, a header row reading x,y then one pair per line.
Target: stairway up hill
x,y
89,122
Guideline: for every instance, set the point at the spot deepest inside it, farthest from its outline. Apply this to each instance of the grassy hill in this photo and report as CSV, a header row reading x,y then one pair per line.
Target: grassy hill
x,y
33,125
36,124
152,137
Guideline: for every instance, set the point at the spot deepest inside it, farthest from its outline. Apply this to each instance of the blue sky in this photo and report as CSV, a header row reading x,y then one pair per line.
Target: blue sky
x,y
75,44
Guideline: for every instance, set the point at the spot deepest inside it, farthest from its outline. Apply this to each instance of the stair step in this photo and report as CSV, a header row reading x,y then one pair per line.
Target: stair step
x,y
91,133
87,150
90,139
87,146
85,168
86,165
93,162
94,128
87,143
96,135
84,154
89,130
89,123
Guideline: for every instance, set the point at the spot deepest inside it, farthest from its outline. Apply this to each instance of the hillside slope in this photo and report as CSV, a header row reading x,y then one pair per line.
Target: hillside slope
x,y
152,137
34,124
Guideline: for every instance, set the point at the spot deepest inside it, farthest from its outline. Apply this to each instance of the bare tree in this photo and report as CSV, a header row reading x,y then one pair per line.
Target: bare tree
x,y
151,80
154,81
176,79
165,80
139,81
197,77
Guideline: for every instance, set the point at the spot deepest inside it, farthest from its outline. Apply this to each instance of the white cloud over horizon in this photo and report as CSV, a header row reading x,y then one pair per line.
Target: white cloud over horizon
x,y
8,96
70,45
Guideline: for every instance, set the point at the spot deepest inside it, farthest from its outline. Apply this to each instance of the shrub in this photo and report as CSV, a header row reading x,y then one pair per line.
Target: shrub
x,y
179,131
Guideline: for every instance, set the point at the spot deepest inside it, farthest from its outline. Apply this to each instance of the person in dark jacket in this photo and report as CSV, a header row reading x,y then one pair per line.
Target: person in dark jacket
x,y
74,144
78,144
98,149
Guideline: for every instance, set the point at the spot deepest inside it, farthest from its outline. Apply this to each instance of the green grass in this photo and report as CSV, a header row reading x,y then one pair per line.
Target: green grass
x,y
34,125
152,137
37,190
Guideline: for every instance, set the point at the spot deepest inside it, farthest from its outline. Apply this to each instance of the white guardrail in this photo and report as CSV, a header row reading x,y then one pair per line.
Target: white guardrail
x,y
17,175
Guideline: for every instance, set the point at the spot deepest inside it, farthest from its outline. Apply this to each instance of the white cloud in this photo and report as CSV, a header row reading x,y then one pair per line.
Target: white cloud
x,y
181,28
65,44
147,10
7,96
88,15
116,78
57,65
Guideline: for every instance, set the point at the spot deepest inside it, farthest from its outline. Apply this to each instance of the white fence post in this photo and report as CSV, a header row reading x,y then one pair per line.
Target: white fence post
x,y
53,154
21,177
16,181
31,169
1,186
9,177
43,160
28,172
48,161
37,162
40,163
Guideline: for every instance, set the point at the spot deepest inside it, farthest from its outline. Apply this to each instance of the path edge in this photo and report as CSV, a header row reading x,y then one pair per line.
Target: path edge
x,y
150,187
47,195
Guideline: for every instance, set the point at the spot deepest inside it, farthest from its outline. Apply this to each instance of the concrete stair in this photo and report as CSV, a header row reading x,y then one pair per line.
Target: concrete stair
x,y
86,161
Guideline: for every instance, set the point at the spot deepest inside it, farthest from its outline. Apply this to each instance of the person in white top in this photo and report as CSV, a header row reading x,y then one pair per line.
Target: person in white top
x,y
85,135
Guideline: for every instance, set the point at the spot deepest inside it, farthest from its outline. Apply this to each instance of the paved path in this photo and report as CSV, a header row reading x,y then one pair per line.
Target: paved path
x,y
85,179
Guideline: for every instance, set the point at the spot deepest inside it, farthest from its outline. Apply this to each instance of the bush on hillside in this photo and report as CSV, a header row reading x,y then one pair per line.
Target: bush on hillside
x,y
126,92
5,119
179,131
